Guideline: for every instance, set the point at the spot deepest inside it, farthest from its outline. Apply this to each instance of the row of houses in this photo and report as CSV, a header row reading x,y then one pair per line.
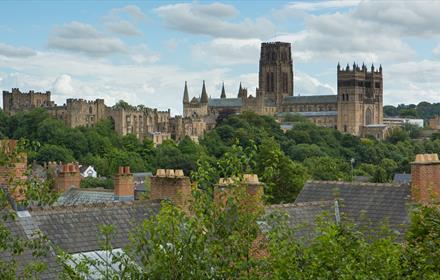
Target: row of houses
x,y
72,224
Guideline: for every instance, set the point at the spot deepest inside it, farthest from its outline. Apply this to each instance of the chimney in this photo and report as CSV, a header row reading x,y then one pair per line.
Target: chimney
x,y
171,184
13,174
425,178
124,184
69,177
253,192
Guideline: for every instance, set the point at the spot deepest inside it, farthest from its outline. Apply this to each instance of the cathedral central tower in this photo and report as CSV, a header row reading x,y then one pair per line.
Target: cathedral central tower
x,y
276,71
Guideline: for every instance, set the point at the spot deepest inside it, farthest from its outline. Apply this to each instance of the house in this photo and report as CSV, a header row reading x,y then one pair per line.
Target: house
x,y
76,228
88,171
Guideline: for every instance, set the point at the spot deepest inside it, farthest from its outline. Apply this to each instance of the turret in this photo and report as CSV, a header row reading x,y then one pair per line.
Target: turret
x,y
372,67
380,68
204,97
223,95
339,67
240,90
185,94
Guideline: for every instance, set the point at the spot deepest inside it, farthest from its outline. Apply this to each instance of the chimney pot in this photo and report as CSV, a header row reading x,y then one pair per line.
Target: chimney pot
x,y
160,172
121,170
170,173
179,173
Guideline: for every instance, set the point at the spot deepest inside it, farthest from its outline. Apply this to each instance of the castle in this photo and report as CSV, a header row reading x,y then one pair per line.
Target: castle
x,y
356,109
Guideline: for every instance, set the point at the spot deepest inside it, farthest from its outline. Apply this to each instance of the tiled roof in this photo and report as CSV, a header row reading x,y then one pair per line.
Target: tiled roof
x,y
19,230
303,216
402,178
76,196
76,228
310,99
363,203
225,102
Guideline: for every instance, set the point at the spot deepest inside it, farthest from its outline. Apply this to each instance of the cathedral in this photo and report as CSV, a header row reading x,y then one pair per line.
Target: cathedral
x,y
356,109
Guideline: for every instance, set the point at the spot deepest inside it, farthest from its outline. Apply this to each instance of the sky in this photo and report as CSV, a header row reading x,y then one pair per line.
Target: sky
x,y
143,52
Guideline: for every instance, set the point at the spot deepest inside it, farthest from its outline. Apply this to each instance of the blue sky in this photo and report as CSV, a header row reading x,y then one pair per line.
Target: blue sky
x,y
143,52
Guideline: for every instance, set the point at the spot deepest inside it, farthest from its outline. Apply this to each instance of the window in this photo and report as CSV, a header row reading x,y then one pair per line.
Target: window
x,y
90,110
368,117
285,83
377,85
345,128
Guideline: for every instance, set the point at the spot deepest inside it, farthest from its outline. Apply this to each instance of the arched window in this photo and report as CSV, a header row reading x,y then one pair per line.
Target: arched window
x,y
90,110
368,117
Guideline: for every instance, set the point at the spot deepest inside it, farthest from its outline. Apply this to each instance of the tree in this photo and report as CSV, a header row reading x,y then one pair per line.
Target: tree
x,y
49,152
283,177
328,169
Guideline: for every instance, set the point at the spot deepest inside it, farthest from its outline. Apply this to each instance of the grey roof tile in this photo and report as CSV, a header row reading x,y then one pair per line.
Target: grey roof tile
x,y
363,202
310,99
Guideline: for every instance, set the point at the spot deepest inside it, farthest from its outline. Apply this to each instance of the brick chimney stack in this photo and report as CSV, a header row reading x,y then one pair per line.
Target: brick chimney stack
x,y
254,189
69,177
171,184
425,177
13,174
124,184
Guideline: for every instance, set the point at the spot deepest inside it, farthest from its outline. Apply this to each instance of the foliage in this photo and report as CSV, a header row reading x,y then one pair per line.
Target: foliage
x,y
91,182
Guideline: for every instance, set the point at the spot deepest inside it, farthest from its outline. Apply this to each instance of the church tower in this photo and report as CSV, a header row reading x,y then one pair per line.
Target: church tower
x,y
360,98
276,71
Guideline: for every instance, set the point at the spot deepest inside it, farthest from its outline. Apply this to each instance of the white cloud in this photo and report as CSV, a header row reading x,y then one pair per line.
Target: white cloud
x,y
120,20
123,27
134,11
12,51
63,85
228,51
84,38
308,85
436,51
141,54
213,19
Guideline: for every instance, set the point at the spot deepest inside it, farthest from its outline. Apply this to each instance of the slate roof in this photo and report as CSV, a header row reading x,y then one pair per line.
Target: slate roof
x,y
17,230
402,178
76,228
76,196
303,216
310,99
364,203
225,102
309,114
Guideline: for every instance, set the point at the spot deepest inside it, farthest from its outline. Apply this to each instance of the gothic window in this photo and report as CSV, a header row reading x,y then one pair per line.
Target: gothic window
x,y
267,81
272,82
285,83
274,56
90,110
368,117
345,128
377,85
284,56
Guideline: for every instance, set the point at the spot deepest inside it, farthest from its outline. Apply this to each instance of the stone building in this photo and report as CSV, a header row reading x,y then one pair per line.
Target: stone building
x,y
356,109
17,101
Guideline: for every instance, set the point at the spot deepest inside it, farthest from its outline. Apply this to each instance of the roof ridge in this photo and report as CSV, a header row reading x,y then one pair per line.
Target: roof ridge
x,y
302,204
102,205
368,184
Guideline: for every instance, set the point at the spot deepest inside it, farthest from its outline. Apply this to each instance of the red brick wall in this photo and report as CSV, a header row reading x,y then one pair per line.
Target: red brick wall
x,y
124,184
177,189
425,179
69,177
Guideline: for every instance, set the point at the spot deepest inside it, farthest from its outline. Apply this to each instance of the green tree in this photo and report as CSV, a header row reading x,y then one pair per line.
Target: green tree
x,y
327,168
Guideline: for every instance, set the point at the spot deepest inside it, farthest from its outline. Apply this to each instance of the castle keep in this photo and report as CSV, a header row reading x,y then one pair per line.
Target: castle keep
x,y
356,109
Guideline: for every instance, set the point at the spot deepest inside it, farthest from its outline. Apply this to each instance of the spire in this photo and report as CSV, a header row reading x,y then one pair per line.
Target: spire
x,y
204,97
380,68
339,66
223,95
240,89
185,94
372,67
